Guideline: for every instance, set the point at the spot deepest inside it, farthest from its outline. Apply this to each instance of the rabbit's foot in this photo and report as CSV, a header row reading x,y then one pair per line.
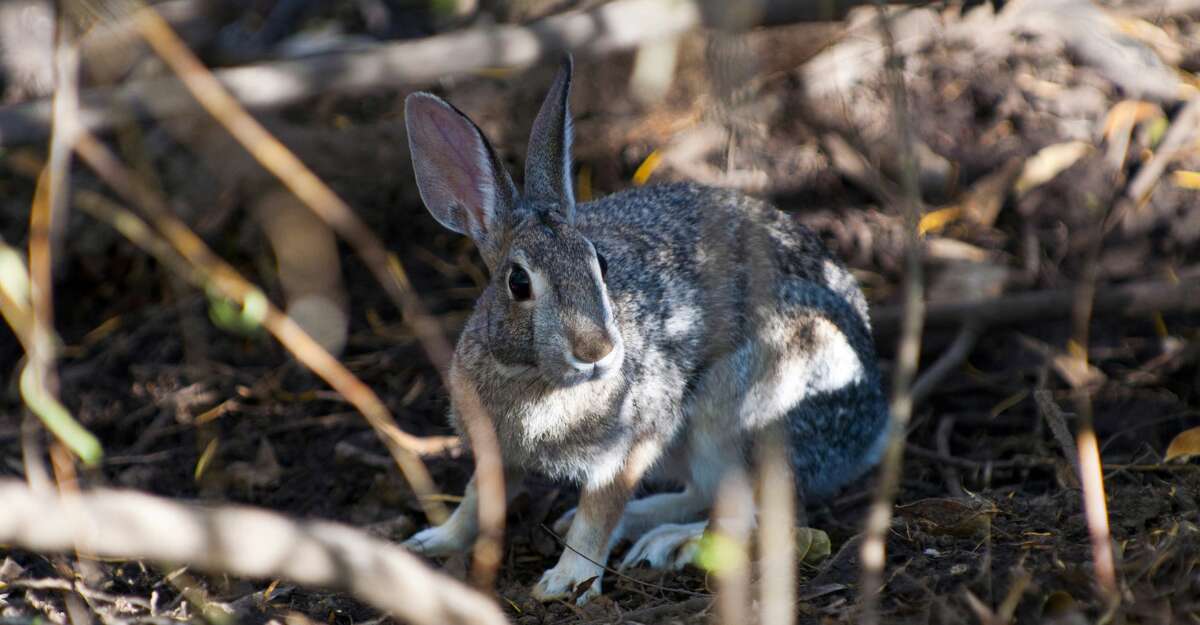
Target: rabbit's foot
x,y
442,540
565,579
667,547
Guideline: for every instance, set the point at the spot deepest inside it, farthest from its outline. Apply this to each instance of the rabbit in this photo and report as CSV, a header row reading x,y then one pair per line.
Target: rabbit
x,y
651,334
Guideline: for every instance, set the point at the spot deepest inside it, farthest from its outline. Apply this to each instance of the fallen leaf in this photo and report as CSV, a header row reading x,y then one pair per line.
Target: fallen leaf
x,y
646,168
210,450
1186,179
1049,162
812,545
1184,446
583,587
938,219
1126,114
262,473
1059,603
951,517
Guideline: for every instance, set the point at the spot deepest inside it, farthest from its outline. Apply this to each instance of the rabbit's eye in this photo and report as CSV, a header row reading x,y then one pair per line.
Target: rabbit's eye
x,y
519,285
603,266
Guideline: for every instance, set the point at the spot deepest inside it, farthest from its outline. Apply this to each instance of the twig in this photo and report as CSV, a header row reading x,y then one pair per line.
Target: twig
x,y
241,541
1089,469
220,276
1058,426
951,358
1127,300
873,549
949,472
970,464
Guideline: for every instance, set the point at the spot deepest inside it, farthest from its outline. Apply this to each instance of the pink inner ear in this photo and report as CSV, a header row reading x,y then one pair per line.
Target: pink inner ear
x,y
456,157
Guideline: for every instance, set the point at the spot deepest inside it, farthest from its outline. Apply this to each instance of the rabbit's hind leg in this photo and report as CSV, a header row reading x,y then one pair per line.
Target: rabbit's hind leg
x,y
647,513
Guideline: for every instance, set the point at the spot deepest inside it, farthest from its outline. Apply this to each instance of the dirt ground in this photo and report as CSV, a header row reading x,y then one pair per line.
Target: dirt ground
x,y
989,511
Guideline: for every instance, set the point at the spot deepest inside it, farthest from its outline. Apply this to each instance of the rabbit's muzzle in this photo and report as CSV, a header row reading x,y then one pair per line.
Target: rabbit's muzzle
x,y
592,353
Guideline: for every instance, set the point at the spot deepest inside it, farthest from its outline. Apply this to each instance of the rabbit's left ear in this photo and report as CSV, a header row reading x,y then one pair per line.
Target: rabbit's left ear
x,y
460,179
548,162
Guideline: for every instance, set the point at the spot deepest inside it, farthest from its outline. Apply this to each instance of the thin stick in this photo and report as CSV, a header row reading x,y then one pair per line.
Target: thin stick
x,y
1091,475
873,549
242,541
38,381
947,362
219,275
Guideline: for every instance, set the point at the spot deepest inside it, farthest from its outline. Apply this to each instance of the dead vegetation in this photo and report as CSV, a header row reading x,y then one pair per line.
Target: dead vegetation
x,y
1054,164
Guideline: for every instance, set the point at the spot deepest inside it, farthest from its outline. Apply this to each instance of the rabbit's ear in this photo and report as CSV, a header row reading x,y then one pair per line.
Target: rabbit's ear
x,y
461,181
548,163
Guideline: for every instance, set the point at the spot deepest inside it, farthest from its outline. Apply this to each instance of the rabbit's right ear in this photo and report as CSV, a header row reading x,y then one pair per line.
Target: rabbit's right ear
x,y
461,181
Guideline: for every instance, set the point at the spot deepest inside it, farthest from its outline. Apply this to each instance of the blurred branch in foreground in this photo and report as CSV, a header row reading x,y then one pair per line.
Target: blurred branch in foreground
x,y
241,541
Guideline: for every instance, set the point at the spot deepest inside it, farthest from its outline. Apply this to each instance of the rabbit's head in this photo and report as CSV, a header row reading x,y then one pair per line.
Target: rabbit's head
x,y
547,310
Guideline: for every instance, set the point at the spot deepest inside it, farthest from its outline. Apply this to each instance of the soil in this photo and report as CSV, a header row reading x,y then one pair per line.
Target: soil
x,y
995,516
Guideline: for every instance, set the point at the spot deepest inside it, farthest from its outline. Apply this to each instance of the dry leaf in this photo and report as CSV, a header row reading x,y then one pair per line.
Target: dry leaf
x,y
1186,179
954,517
1049,162
1126,114
262,473
812,545
938,219
1184,446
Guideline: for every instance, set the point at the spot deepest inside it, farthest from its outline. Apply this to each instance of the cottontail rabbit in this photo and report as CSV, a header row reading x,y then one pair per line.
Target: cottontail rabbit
x,y
649,334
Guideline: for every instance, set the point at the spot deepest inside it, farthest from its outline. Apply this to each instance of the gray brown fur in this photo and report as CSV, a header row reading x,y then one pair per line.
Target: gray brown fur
x,y
720,317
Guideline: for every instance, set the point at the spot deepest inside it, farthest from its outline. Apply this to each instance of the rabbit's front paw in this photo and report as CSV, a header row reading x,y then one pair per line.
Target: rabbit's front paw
x,y
562,581
667,547
436,541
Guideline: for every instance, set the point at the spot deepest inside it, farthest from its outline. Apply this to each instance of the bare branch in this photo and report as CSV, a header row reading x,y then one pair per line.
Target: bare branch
x,y
1125,300
241,541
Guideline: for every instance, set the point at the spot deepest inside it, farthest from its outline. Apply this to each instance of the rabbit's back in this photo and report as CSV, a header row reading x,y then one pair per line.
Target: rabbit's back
x,y
708,280
718,246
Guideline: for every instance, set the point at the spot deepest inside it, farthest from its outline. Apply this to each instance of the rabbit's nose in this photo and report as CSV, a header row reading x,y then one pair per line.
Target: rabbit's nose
x,y
592,349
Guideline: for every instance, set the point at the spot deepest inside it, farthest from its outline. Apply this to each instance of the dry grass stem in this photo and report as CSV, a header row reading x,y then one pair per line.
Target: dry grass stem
x,y
729,531
873,549
776,540
241,541
38,381
224,279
